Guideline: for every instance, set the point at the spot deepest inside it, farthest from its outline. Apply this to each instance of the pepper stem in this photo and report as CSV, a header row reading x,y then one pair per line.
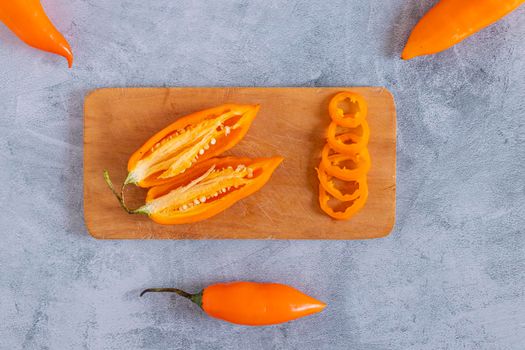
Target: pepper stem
x,y
196,298
120,197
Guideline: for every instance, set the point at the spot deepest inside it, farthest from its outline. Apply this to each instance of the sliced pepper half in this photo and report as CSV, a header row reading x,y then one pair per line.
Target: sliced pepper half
x,y
196,137
206,189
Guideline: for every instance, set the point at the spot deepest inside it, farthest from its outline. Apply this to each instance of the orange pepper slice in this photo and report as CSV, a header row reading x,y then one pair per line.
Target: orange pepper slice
x,y
207,189
338,142
348,120
350,211
361,159
190,139
329,186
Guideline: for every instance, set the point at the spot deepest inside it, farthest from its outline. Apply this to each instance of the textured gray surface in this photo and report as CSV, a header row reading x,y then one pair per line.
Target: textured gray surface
x,y
451,274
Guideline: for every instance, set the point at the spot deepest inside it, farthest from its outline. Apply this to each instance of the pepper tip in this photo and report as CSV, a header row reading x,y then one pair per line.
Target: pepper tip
x,y
67,54
407,53
69,58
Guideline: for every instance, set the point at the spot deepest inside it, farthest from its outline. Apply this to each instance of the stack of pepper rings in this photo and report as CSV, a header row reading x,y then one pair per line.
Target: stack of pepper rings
x,y
349,146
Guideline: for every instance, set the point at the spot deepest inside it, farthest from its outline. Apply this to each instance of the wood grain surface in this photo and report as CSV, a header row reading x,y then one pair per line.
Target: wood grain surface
x,y
292,122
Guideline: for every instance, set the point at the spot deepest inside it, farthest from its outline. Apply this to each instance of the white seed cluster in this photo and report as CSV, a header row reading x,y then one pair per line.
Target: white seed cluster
x,y
206,147
202,199
182,148
166,139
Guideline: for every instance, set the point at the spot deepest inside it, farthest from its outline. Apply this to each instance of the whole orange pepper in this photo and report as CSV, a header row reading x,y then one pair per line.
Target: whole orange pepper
x,y
27,19
251,303
452,21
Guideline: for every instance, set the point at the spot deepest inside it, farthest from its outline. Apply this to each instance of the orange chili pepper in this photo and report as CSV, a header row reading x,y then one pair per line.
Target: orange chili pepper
x,y
196,137
329,186
338,142
206,190
348,120
361,160
251,303
356,205
27,19
451,21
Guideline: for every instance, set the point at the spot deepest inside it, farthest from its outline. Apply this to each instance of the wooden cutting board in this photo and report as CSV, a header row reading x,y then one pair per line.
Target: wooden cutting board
x,y
292,122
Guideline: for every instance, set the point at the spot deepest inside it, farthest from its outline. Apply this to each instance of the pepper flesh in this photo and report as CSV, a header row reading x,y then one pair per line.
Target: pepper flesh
x,y
327,183
361,160
196,137
208,189
451,21
340,148
338,142
349,120
355,205
251,303
27,19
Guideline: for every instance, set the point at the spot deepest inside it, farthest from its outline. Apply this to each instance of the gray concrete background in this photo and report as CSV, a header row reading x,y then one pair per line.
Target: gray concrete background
x,y
451,274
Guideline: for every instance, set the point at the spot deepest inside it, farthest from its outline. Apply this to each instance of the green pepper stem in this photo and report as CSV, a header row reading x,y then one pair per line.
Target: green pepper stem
x,y
120,197
196,298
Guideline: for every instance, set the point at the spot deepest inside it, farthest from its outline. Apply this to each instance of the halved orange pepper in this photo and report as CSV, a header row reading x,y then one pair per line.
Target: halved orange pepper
x,y
196,137
339,142
338,114
208,188
326,181
361,160
354,206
